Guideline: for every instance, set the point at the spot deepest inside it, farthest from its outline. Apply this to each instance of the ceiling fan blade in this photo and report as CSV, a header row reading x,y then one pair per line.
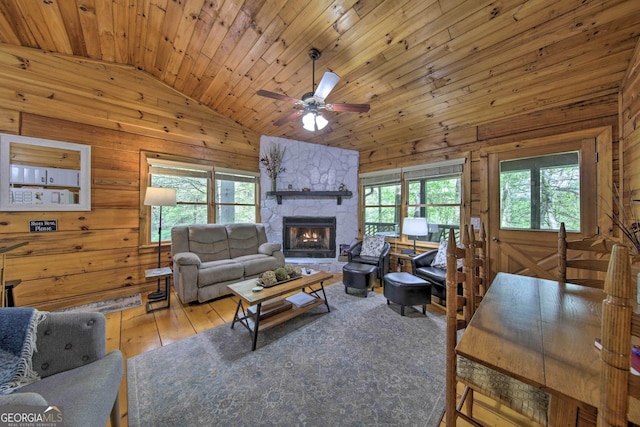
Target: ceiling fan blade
x,y
326,85
288,118
278,96
353,108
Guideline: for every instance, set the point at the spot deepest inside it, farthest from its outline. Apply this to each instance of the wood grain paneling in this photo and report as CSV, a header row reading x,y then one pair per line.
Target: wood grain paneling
x,y
630,125
121,111
427,67
95,255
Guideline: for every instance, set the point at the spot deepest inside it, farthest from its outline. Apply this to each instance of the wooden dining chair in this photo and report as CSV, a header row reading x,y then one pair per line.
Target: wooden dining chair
x,y
589,255
619,324
520,397
478,247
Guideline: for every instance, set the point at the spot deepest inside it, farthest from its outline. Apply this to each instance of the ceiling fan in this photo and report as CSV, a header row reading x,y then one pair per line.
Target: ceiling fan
x,y
312,102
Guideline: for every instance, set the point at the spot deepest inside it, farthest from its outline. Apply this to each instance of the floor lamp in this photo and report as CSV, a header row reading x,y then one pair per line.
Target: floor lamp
x,y
414,227
156,196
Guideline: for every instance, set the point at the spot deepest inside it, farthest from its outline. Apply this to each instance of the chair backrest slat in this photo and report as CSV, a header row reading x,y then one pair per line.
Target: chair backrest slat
x,y
617,319
589,254
466,301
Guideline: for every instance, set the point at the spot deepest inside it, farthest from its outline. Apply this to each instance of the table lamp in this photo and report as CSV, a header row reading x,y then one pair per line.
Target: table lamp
x,y
157,196
414,227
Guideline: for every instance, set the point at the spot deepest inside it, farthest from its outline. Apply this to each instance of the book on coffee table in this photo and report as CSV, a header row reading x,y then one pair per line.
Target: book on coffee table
x,y
270,308
301,299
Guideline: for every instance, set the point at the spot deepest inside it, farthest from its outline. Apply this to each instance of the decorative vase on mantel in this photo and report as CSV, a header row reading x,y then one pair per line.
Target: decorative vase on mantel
x,y
273,184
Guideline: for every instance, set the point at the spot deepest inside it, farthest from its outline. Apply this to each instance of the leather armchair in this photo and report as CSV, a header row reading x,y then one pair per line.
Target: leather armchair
x,y
77,374
421,267
381,262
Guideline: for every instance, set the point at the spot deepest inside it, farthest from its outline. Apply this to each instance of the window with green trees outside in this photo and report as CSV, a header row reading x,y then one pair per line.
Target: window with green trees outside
x,y
538,193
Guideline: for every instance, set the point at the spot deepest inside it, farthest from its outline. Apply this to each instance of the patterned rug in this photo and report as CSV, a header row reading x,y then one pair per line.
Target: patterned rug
x,y
108,306
361,364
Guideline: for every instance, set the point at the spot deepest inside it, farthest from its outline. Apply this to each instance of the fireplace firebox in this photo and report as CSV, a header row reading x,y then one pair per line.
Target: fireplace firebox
x,y
309,237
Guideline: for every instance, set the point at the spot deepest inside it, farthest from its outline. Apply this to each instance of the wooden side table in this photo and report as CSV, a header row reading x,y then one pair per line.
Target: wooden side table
x,y
406,261
6,292
159,273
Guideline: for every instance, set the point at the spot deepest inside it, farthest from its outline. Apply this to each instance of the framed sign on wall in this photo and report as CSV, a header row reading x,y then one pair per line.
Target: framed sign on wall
x,y
44,175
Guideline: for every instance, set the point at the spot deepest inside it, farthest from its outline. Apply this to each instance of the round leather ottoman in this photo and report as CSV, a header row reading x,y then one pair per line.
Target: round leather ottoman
x,y
359,276
406,289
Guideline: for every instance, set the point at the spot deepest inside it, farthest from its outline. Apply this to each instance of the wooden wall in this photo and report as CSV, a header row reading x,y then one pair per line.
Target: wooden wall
x,y
630,125
120,111
594,113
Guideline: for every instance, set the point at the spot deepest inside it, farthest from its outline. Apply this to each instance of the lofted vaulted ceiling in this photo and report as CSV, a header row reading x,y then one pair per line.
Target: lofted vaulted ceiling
x,y
426,67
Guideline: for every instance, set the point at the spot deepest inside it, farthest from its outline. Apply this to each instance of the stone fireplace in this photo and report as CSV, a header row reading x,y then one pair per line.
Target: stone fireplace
x,y
309,237
319,168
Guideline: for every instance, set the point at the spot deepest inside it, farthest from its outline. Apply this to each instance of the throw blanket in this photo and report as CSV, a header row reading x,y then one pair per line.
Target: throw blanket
x,y
17,343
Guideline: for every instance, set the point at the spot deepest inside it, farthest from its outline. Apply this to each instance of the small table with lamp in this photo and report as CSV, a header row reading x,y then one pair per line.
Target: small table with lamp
x,y
158,196
165,295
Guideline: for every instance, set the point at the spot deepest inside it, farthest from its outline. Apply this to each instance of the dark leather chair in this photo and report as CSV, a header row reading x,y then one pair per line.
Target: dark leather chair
x,y
381,262
421,267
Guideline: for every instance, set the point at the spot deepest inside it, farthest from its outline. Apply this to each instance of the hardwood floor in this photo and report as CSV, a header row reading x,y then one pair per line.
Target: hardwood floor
x,y
134,331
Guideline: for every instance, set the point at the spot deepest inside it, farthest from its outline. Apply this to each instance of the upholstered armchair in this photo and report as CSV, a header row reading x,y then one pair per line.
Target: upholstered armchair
x,y
422,267
377,253
76,373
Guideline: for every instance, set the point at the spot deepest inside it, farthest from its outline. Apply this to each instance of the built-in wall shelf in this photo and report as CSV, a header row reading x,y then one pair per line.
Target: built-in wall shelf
x,y
338,195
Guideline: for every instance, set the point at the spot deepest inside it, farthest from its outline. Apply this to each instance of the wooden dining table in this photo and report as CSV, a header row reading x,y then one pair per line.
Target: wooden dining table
x,y
542,332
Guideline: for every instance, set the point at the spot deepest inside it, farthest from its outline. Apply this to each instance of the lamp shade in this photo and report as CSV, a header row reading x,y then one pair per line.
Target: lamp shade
x,y
312,121
157,196
415,227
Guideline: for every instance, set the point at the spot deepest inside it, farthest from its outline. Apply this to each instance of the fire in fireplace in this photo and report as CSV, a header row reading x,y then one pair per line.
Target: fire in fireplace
x,y
309,237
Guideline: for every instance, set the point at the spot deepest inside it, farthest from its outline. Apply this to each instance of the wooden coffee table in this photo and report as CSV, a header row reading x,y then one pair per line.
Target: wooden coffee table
x,y
247,297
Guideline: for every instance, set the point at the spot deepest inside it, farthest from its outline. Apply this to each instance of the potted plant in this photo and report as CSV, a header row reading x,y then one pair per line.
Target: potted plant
x,y
272,161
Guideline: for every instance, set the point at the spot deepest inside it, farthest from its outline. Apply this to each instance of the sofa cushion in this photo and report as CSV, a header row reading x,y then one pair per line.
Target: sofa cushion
x,y
243,239
85,393
365,259
219,271
209,242
433,274
440,260
257,264
372,246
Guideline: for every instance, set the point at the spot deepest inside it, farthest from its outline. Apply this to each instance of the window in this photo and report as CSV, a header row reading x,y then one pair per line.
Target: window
x,y
381,196
191,183
432,191
235,197
202,195
538,193
435,192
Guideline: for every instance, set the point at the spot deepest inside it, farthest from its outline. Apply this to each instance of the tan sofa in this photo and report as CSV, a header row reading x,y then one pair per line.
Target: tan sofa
x,y
208,257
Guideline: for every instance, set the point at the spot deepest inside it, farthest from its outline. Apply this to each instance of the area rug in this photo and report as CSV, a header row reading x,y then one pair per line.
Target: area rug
x,y
362,364
108,306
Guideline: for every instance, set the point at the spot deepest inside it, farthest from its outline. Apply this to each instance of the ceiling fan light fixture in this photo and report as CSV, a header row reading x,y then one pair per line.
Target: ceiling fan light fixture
x,y
314,101
313,121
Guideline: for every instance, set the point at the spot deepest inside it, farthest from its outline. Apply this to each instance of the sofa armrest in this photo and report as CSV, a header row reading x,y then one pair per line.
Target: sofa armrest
x,y
423,260
354,251
187,258
385,257
27,399
269,248
68,340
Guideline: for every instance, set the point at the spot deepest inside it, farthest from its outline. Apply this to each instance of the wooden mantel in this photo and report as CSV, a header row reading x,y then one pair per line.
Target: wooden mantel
x,y
309,194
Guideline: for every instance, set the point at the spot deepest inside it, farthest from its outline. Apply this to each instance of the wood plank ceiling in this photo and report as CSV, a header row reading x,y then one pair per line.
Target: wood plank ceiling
x,y
426,67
